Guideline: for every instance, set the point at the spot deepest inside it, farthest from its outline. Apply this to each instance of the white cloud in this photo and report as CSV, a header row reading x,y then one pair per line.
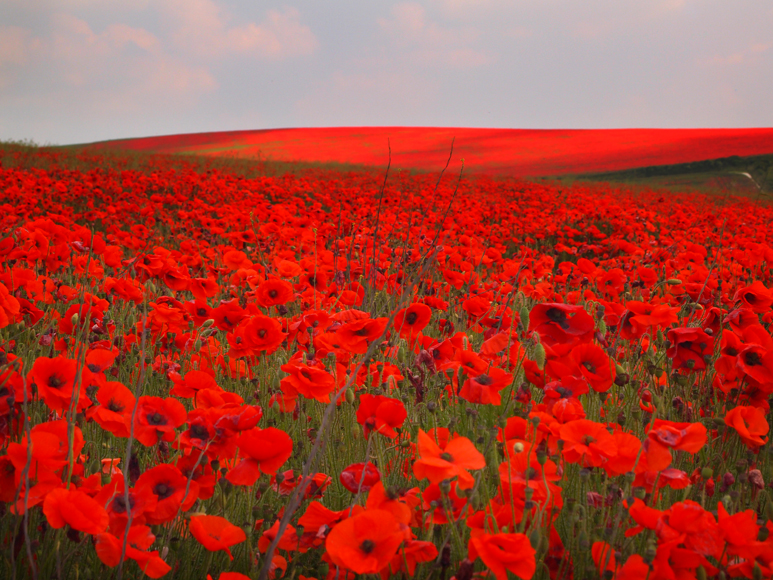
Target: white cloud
x,y
428,43
202,28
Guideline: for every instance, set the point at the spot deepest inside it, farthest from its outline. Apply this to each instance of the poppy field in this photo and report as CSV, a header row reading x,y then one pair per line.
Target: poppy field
x,y
335,375
494,152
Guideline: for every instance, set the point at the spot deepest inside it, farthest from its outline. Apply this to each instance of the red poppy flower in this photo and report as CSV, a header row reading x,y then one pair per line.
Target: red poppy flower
x,y
412,320
228,315
216,533
273,292
381,414
587,443
310,381
263,334
110,548
365,543
169,486
690,347
360,476
484,388
503,553
665,435
355,337
595,365
561,323
113,414
452,459
750,424
50,450
203,288
55,379
265,450
76,509
756,297
757,363
157,419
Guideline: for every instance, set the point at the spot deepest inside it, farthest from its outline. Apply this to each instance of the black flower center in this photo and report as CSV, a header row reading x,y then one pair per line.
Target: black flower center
x,y
156,419
163,491
115,406
558,316
752,359
411,317
367,546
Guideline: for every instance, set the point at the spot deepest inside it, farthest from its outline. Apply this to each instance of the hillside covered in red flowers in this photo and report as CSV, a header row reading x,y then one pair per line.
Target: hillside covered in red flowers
x,y
507,152
330,375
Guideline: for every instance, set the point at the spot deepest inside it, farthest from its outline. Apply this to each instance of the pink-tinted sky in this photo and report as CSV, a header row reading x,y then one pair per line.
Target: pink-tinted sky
x,y
84,70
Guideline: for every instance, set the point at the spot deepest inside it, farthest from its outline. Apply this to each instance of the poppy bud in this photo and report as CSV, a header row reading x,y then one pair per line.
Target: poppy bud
x,y
639,492
207,323
535,537
673,281
757,572
349,396
539,356
74,318
197,345
707,472
518,448
650,552
150,287
523,314
602,327
700,573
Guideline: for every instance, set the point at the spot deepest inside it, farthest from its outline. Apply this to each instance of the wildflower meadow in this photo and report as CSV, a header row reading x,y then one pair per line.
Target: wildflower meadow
x,y
207,373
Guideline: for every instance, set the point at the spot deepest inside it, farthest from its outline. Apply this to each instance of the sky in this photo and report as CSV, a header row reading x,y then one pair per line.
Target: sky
x,y
74,71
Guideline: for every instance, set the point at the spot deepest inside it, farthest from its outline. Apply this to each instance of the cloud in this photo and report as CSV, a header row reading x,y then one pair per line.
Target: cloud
x,y
428,43
202,28
745,56
17,47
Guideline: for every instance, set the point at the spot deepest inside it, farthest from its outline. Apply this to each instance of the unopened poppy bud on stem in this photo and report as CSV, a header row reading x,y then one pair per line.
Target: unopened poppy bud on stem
x,y
539,356
207,323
